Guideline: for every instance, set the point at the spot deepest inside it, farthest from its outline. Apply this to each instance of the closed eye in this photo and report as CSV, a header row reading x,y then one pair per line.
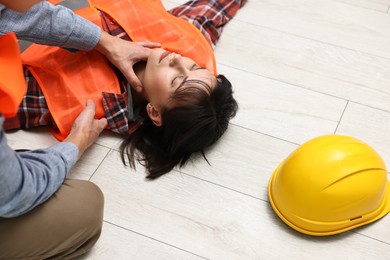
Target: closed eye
x,y
175,78
196,67
182,83
192,68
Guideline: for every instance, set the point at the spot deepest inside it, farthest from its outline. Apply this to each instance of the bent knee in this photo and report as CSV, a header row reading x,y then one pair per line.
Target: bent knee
x,y
88,202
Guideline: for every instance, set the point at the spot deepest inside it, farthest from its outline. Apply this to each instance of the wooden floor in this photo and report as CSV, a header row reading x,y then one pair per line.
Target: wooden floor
x,y
300,69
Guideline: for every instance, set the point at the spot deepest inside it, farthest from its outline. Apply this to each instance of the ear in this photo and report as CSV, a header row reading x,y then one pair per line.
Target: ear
x,y
154,114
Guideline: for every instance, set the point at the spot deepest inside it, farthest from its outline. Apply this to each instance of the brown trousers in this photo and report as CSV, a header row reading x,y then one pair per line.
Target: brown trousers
x,y
64,227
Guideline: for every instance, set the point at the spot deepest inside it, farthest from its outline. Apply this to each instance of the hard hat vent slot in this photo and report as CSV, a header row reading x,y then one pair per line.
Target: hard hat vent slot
x,y
352,219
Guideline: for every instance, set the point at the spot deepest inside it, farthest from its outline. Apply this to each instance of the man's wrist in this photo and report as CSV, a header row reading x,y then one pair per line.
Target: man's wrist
x,y
76,140
69,151
103,44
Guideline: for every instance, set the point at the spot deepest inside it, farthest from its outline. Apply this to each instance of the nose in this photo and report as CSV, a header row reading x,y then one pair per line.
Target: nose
x,y
177,62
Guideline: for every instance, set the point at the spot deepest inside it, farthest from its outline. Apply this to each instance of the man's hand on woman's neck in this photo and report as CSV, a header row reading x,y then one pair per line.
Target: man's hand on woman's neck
x,y
124,54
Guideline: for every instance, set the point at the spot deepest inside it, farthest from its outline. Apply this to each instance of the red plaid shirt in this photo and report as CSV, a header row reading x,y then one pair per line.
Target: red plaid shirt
x,y
208,16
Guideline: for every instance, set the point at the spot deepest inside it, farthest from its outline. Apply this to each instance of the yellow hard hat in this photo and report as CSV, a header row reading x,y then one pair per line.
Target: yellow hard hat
x,y
329,185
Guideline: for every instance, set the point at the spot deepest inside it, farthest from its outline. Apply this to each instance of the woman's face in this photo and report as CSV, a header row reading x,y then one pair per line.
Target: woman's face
x,y
166,71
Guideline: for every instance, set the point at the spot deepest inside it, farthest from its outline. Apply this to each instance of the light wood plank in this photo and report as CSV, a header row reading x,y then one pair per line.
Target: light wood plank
x,y
31,139
370,125
312,65
110,139
89,162
282,110
379,5
119,243
212,221
242,160
40,137
326,21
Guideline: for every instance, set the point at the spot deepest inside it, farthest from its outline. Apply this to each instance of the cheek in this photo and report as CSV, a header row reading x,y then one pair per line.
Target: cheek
x,y
155,82
157,87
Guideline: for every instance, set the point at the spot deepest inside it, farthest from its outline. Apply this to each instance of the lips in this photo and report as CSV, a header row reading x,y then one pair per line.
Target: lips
x,y
165,54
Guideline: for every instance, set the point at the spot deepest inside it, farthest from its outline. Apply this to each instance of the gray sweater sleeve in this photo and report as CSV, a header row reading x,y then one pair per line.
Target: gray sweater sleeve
x,y
48,24
28,179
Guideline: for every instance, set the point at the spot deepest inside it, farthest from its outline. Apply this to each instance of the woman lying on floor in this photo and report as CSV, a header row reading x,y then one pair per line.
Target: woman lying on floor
x,y
184,106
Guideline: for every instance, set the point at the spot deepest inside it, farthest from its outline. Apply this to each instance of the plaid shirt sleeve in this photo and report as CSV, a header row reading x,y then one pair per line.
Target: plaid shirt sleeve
x,y
209,16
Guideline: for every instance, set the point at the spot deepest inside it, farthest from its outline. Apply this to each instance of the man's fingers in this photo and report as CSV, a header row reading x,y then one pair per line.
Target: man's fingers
x,y
149,44
90,108
134,81
102,122
90,104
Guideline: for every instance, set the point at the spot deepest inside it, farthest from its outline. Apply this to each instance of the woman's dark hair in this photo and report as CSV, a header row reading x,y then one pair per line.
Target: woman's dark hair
x,y
198,118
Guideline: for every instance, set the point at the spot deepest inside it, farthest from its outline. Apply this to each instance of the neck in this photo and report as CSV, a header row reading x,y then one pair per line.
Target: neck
x,y
139,70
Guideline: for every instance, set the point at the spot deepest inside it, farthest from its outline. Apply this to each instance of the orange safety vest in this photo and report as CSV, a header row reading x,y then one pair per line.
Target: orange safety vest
x,y
69,79
12,83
